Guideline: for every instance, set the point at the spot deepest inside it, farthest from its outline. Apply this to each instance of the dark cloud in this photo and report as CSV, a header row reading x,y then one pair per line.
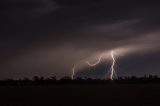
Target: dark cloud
x,y
139,64
45,37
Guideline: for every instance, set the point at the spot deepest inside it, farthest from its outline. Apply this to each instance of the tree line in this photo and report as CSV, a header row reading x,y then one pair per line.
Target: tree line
x,y
36,80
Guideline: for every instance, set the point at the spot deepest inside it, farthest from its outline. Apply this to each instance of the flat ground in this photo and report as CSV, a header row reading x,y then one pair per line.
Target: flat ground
x,y
81,95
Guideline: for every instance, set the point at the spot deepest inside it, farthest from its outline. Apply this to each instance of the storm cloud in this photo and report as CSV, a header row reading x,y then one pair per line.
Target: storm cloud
x,y
48,37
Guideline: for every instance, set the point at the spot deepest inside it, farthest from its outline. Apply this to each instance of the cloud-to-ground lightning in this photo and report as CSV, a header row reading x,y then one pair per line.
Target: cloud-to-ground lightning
x,y
117,52
90,64
73,72
112,72
113,64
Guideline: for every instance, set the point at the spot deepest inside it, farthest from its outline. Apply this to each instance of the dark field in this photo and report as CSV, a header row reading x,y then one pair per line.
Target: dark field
x,y
81,95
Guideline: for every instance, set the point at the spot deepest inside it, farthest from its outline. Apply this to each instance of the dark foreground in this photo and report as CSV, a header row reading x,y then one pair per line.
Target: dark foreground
x,y
81,95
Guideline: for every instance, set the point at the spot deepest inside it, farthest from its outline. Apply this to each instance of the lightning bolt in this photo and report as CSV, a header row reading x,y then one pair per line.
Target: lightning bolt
x,y
90,64
94,64
73,72
113,64
112,70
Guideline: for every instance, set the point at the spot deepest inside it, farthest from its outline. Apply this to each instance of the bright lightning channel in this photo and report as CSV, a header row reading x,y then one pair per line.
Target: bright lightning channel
x,y
113,64
97,62
94,64
90,64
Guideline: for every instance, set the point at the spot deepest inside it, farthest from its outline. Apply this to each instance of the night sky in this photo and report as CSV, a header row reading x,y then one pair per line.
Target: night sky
x,y
48,37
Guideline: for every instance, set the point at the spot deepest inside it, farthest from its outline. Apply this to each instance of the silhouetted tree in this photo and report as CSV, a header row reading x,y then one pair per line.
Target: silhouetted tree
x,y
85,80
66,78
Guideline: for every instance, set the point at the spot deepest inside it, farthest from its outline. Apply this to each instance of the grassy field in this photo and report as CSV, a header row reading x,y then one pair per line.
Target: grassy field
x,y
81,95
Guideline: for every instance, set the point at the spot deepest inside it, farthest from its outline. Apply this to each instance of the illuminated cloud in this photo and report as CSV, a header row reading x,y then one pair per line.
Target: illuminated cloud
x,y
51,36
